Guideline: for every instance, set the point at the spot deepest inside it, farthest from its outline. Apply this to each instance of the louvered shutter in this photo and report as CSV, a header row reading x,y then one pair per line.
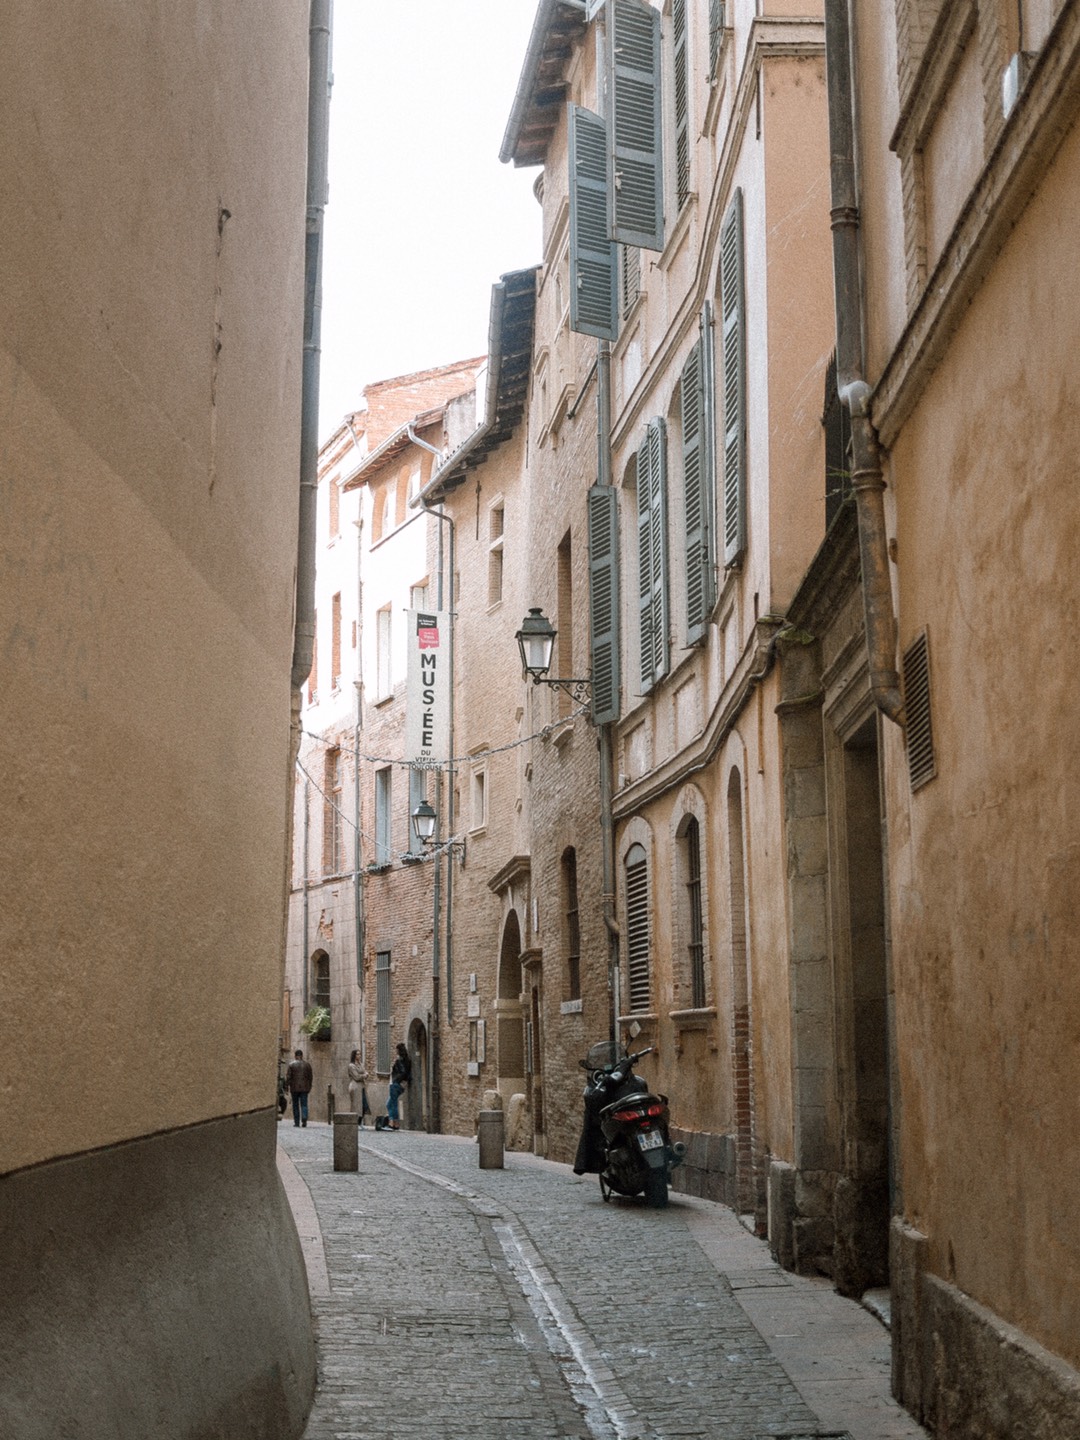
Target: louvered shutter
x,y
733,329
652,553
637,186
638,938
593,255
716,33
682,107
604,601
697,455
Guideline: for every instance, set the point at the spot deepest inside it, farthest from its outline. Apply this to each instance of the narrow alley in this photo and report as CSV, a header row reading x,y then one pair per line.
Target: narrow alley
x,y
454,1302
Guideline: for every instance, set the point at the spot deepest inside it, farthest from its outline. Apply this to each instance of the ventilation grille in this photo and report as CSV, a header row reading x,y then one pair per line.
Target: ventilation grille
x,y
920,733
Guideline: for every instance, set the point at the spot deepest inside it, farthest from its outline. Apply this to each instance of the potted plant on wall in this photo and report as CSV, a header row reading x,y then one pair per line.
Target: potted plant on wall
x,y
316,1023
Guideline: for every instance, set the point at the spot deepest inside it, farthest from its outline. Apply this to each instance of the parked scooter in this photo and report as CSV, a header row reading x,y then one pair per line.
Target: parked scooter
x,y
625,1137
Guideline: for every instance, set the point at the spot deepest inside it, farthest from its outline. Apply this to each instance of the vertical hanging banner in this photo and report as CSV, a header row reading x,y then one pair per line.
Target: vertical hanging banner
x,y
427,694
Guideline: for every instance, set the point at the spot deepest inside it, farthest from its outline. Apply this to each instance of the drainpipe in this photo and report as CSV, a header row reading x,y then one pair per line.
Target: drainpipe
x,y
605,737
867,480
318,146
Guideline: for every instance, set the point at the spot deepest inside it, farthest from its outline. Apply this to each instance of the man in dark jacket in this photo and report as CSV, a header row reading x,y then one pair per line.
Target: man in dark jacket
x,y
299,1080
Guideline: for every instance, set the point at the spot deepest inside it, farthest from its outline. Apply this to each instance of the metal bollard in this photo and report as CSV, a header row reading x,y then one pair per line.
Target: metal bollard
x,y
346,1136
329,1104
489,1132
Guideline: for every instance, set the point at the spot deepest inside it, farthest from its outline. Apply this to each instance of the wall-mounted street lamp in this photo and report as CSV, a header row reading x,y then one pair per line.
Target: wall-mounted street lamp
x,y
424,822
536,641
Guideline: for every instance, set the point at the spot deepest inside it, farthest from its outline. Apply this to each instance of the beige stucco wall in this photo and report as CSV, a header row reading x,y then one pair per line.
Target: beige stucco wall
x,y
987,856
151,384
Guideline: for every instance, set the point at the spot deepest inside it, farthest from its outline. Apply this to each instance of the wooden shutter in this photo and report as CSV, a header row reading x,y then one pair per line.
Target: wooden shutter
x,y
695,389
716,33
637,181
733,329
593,255
638,939
603,515
652,553
682,103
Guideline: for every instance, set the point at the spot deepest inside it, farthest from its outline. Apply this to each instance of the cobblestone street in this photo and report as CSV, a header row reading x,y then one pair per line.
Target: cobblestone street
x,y
454,1302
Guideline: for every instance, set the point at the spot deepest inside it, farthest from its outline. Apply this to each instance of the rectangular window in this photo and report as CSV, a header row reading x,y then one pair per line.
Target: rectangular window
x,y
335,642
564,658
573,928
418,596
333,839
383,854
383,1017
496,519
696,943
479,798
383,683
334,496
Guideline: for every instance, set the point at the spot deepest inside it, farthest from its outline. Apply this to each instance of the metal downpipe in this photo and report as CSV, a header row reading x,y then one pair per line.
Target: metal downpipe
x,y
868,483
318,147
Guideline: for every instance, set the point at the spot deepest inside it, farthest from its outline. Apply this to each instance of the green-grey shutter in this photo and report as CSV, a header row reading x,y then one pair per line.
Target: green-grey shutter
x,y
733,330
652,553
682,103
603,516
637,180
695,388
593,255
716,33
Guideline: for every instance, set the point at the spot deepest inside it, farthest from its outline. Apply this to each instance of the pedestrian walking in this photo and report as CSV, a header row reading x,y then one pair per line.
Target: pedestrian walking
x,y
400,1075
299,1079
358,1101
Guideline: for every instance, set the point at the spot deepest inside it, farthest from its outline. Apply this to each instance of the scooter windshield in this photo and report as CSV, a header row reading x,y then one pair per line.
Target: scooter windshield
x,y
604,1055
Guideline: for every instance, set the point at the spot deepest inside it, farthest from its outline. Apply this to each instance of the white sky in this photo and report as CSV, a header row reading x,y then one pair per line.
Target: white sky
x,y
422,217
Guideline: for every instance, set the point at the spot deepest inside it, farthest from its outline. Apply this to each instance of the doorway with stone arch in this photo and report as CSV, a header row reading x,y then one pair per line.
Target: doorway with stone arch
x,y
510,1014
417,1095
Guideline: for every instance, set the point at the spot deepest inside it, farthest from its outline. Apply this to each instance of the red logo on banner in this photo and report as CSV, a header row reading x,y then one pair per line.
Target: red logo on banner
x,y
427,632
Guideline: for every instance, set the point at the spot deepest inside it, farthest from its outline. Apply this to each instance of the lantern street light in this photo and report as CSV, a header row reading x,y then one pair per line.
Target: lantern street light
x,y
424,822
536,642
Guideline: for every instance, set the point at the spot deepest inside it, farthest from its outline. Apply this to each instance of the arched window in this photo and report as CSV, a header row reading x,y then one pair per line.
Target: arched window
x,y
638,938
690,845
571,927
320,988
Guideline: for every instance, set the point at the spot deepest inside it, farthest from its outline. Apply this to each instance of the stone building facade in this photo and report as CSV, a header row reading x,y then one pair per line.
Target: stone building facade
x,y
360,912
970,191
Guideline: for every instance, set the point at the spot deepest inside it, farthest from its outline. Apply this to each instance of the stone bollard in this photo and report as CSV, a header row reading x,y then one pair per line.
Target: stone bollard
x,y
489,1131
346,1137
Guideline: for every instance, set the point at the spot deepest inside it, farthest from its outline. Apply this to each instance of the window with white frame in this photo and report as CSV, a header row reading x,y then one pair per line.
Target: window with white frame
x,y
383,674
383,1017
478,791
496,525
383,795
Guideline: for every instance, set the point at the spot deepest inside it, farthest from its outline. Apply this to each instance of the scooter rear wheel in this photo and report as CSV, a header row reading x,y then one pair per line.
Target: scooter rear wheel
x,y
656,1194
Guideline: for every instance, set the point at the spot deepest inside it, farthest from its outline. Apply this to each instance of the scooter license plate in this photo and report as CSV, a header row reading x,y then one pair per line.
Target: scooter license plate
x,y
650,1139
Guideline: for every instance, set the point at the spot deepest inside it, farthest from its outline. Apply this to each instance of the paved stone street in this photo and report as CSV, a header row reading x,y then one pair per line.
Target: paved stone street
x,y
453,1302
